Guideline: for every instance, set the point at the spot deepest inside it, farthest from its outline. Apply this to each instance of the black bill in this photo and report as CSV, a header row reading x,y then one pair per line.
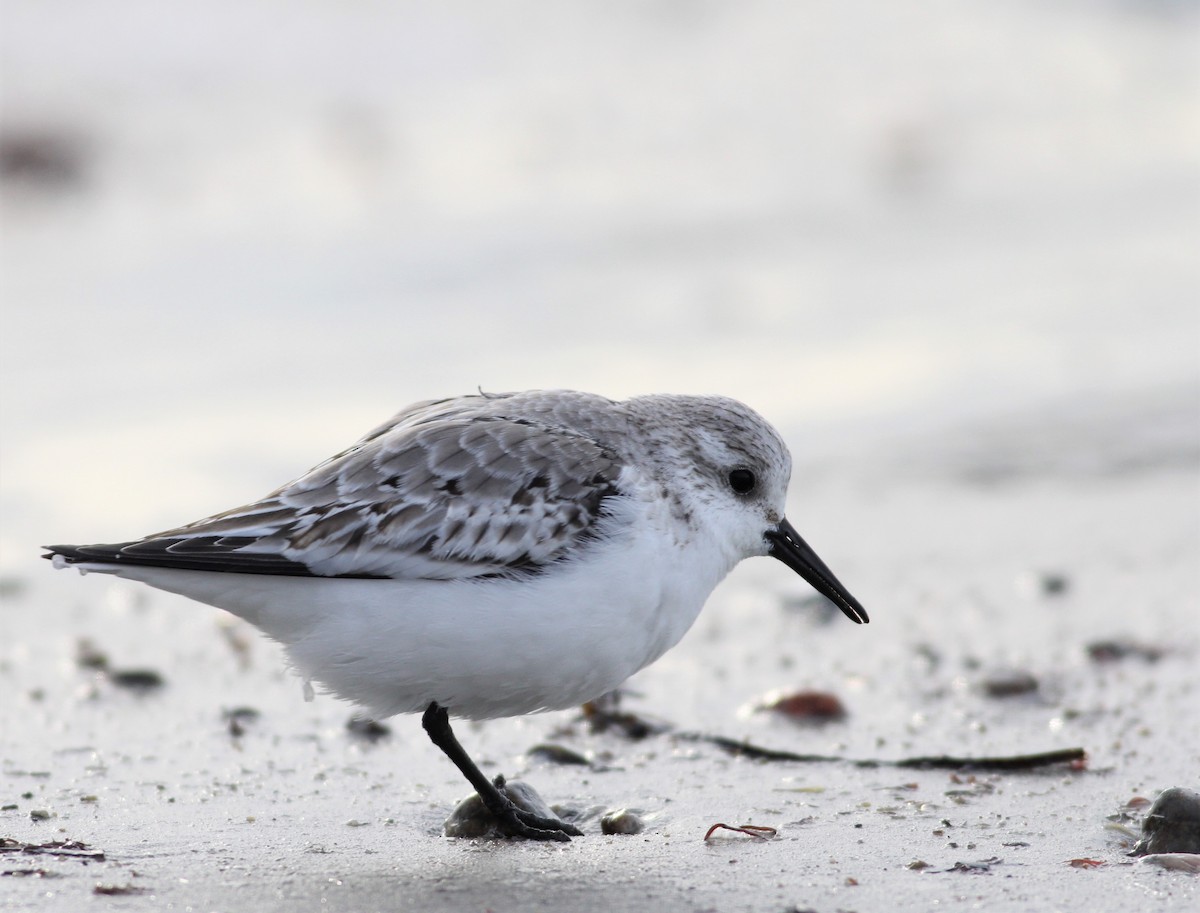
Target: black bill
x,y
788,547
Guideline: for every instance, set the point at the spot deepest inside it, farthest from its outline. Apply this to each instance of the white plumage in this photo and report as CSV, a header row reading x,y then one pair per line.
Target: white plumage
x,y
493,555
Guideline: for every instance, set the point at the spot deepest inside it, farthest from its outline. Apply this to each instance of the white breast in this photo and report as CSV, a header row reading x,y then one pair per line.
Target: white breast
x,y
483,648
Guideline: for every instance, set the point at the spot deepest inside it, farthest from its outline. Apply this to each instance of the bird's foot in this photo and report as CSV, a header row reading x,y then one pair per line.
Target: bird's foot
x,y
510,809
507,810
516,822
531,818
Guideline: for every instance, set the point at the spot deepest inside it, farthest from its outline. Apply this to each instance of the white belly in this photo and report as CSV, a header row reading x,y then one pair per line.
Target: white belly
x,y
482,648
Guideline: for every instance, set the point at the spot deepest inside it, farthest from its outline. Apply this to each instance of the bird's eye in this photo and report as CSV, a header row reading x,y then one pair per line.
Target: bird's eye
x,y
742,481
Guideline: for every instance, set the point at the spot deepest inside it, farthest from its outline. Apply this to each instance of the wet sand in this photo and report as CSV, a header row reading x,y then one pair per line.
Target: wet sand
x,y
293,812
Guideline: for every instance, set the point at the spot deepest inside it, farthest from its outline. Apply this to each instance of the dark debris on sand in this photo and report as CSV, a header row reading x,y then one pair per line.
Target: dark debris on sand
x,y
66,849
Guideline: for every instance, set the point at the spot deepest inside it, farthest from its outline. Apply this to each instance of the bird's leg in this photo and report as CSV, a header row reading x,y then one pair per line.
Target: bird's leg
x,y
513,821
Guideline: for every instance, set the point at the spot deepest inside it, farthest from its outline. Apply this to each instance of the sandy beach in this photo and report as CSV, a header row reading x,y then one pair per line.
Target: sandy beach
x,y
296,813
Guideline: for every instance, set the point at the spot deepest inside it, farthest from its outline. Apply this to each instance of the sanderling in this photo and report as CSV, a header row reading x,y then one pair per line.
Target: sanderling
x,y
493,555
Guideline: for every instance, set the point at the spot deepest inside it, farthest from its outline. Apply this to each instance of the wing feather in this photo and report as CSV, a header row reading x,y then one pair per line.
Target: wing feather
x,y
442,491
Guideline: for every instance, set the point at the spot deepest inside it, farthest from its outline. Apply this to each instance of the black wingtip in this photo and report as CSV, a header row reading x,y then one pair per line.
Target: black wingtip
x,y
201,553
74,554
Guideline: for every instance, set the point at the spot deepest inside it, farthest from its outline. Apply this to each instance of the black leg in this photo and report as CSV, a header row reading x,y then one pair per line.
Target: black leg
x,y
514,822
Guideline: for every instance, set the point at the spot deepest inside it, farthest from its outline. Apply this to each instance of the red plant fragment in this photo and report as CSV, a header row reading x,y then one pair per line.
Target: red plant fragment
x,y
1086,863
760,831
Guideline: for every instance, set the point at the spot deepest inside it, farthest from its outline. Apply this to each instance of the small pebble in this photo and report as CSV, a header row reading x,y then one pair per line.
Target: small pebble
x,y
139,680
621,821
1111,651
367,729
238,718
89,656
1054,583
1009,683
47,158
241,714
471,818
1172,825
117,890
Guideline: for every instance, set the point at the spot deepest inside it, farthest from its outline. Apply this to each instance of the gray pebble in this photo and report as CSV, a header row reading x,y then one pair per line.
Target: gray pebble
x,y
471,818
1054,583
1172,825
1009,683
621,821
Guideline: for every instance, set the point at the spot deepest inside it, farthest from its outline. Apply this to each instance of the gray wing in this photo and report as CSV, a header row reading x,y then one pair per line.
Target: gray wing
x,y
437,493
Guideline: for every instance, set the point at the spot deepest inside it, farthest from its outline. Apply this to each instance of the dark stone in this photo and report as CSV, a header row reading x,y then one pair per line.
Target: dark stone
x,y
1172,825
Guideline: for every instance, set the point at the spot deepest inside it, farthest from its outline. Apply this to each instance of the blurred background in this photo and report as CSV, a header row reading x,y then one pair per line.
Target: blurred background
x,y
950,236
948,247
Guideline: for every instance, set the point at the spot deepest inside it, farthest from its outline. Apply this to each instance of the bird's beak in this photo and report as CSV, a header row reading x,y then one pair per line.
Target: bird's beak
x,y
788,547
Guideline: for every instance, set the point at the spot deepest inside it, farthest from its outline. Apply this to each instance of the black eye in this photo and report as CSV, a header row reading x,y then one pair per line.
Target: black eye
x,y
742,481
